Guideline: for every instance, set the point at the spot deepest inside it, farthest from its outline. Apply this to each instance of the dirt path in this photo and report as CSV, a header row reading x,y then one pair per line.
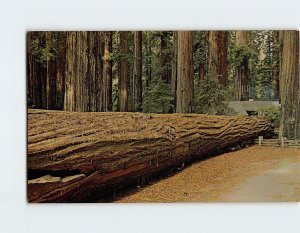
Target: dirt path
x,y
252,174
281,184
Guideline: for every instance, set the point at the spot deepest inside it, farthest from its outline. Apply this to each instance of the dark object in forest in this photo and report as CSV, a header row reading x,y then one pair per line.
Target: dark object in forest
x,y
89,153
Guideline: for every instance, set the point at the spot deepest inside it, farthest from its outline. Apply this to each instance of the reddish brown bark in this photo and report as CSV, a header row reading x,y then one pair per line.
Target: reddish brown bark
x,y
107,73
185,72
290,86
123,78
83,72
217,56
99,151
242,70
137,72
164,57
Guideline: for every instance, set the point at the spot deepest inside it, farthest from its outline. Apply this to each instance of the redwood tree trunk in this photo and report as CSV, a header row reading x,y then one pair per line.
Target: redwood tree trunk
x,y
222,57
83,72
185,72
123,79
164,57
276,67
242,70
61,69
289,86
148,60
97,152
137,72
107,74
51,72
174,68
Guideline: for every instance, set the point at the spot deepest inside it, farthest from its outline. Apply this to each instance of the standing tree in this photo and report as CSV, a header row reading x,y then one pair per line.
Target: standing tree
x,y
137,72
148,59
164,57
61,69
217,56
83,71
174,68
242,69
289,86
107,74
36,70
185,72
46,69
51,71
123,78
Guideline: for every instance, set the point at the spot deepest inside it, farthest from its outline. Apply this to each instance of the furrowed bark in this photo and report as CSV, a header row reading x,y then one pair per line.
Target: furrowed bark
x,y
84,80
241,80
95,152
123,78
185,72
217,56
137,73
174,68
290,86
107,74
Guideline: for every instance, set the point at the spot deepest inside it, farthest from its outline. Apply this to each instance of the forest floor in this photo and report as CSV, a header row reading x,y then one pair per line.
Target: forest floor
x,y
254,174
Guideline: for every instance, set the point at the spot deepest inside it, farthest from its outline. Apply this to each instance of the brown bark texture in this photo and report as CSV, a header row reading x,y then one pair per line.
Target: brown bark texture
x,y
84,80
185,72
73,155
174,68
289,86
137,72
148,60
217,56
164,57
242,70
123,79
107,74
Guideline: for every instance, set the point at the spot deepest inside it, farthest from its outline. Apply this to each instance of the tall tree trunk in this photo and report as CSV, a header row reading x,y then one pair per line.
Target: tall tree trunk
x,y
123,78
185,72
61,68
213,58
107,73
164,57
276,66
289,86
174,68
148,60
76,72
203,61
242,70
280,38
83,72
51,72
222,57
94,72
137,75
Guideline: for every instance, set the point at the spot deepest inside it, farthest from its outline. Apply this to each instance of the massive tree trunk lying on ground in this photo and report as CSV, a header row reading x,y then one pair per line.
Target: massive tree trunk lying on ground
x,y
72,155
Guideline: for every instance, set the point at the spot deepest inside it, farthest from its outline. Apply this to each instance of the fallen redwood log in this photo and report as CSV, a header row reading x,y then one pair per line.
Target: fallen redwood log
x,y
72,155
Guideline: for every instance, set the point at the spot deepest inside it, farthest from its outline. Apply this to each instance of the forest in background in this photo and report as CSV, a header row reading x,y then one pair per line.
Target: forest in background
x,y
164,71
